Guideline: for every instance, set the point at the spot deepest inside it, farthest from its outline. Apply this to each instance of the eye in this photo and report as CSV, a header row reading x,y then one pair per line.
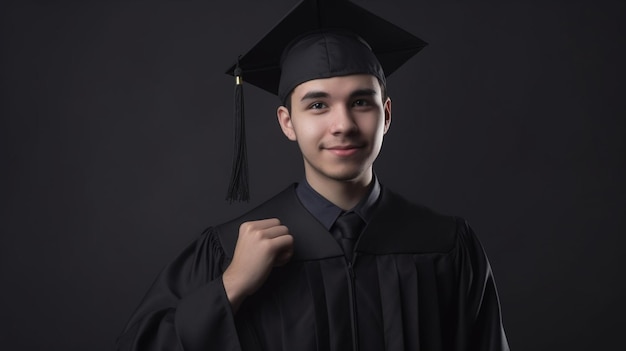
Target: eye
x,y
317,105
361,103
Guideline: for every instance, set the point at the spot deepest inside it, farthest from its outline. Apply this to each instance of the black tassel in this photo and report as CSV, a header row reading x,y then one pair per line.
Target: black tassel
x,y
238,189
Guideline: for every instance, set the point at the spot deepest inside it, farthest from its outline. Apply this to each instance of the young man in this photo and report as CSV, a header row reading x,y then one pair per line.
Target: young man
x,y
338,261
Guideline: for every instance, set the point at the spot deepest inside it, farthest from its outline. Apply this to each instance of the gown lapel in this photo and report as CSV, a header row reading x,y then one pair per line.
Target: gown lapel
x,y
396,227
311,240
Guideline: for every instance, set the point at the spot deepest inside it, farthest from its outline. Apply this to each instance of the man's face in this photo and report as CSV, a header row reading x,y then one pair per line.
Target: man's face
x,y
339,125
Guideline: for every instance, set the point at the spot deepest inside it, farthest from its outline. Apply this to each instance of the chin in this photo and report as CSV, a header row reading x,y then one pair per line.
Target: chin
x,y
345,175
339,171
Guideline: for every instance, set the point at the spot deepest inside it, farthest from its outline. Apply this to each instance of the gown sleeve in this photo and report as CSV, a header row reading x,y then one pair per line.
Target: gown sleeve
x,y
186,308
481,318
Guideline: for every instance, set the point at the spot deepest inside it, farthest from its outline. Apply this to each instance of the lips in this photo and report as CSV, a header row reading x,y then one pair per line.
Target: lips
x,y
344,150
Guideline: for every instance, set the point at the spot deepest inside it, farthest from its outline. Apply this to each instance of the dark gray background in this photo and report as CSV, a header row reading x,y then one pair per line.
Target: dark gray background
x,y
116,142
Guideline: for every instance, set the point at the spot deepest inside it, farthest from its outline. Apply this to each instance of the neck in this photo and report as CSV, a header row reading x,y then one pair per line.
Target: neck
x,y
345,194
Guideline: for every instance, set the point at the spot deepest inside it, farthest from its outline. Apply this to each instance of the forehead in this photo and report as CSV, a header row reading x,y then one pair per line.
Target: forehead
x,y
339,85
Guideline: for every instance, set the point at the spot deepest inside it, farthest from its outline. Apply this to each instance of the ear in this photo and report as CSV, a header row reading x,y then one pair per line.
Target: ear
x,y
284,119
387,108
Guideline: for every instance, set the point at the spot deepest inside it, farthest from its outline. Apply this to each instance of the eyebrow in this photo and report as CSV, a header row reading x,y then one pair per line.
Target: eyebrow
x,y
314,95
321,94
363,92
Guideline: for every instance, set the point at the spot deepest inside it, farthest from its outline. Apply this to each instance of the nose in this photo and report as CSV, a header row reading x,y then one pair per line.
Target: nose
x,y
343,122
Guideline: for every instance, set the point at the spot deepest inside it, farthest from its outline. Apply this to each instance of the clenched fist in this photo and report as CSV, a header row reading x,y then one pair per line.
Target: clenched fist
x,y
261,246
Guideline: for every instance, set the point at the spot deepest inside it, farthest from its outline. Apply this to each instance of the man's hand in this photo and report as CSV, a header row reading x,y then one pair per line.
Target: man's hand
x,y
261,246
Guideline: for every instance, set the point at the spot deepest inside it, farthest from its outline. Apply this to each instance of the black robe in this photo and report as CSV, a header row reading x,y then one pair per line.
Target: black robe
x,y
419,281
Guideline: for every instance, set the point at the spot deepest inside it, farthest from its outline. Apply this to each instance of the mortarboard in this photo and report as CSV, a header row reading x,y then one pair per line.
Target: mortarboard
x,y
316,39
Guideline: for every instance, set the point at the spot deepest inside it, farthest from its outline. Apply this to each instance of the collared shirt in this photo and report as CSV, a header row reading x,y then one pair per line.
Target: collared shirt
x,y
327,213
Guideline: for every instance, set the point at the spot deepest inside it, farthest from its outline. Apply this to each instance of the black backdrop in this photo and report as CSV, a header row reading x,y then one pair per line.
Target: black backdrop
x,y
116,144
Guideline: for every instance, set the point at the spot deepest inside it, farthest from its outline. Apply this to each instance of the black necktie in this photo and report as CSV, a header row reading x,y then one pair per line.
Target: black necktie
x,y
346,230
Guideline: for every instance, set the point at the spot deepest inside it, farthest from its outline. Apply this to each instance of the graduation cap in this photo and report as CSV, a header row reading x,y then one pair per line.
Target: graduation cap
x,y
316,39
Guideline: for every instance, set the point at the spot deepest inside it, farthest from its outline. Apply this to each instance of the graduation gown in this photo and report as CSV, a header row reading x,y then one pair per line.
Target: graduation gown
x,y
419,281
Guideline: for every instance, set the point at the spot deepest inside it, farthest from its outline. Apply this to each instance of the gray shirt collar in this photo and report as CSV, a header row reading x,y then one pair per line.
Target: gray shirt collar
x,y
327,213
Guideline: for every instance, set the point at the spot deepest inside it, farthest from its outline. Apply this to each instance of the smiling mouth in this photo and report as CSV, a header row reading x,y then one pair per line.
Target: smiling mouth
x,y
344,151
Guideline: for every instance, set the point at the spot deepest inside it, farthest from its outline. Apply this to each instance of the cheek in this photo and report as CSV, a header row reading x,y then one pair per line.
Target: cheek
x,y
375,127
306,131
